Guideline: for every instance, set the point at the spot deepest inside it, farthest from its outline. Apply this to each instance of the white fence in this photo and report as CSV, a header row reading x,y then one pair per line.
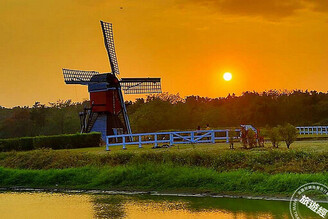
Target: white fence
x,y
313,130
170,138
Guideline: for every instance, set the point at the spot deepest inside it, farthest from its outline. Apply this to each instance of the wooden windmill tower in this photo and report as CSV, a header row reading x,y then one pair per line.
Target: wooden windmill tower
x,y
107,113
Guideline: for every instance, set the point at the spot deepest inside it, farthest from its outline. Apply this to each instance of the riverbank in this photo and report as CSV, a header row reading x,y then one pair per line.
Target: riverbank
x,y
187,169
150,193
161,178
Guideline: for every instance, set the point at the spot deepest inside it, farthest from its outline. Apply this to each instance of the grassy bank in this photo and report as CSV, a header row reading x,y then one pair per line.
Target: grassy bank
x,y
163,177
273,161
187,168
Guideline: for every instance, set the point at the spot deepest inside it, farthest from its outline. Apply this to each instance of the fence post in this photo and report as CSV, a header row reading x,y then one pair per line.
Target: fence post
x,y
227,136
155,138
213,136
171,139
107,146
192,137
123,142
140,146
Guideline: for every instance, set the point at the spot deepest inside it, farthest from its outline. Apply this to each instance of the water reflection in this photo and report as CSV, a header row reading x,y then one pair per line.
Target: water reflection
x,y
187,207
45,205
109,206
48,205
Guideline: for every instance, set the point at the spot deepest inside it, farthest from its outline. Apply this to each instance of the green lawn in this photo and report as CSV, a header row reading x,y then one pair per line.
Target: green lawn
x,y
313,136
311,146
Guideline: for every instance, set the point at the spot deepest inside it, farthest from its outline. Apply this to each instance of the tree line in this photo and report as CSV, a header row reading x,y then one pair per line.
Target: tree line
x,y
60,117
270,108
171,112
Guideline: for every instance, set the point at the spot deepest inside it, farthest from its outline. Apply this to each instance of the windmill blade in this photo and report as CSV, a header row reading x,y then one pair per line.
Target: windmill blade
x,y
107,29
141,85
78,76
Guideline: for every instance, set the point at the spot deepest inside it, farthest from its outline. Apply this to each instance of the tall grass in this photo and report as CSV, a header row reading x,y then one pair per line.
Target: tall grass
x,y
265,161
166,177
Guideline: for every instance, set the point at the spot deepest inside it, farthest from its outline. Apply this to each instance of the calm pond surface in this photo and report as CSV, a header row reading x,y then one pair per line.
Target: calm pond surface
x,y
58,205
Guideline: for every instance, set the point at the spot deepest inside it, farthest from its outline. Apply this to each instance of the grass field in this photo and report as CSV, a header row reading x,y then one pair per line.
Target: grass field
x,y
317,136
303,157
310,146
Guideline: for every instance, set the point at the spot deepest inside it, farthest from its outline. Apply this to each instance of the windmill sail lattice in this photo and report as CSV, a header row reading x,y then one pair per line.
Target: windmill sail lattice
x,y
78,76
141,85
107,29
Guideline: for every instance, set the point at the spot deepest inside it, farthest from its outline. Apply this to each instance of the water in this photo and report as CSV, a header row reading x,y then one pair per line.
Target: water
x,y
57,205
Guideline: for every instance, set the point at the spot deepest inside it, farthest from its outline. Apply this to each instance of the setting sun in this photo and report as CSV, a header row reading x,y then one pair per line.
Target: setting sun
x,y
227,76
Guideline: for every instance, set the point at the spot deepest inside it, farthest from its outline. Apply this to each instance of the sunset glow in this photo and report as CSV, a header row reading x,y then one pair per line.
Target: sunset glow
x,y
265,44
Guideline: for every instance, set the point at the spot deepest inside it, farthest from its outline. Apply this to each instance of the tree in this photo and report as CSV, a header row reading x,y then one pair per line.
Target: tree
x,y
260,138
63,117
243,137
38,115
275,136
18,124
251,138
288,133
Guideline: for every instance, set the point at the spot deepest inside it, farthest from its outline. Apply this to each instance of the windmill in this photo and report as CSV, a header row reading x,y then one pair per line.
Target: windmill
x,y
107,112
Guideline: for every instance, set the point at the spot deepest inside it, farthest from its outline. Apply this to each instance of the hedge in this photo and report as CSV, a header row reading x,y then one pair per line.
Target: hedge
x,y
67,141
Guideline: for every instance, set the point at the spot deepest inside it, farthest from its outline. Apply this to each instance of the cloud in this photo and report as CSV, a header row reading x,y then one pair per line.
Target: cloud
x,y
267,9
319,5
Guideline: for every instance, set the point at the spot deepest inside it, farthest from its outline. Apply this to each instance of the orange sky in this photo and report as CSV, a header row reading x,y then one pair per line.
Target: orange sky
x,y
270,44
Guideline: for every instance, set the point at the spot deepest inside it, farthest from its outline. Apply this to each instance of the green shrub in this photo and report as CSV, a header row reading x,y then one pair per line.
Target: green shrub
x,y
251,138
274,136
54,142
25,144
288,133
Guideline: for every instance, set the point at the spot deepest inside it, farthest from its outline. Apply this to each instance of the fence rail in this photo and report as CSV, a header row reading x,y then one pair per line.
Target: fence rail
x,y
313,130
170,138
